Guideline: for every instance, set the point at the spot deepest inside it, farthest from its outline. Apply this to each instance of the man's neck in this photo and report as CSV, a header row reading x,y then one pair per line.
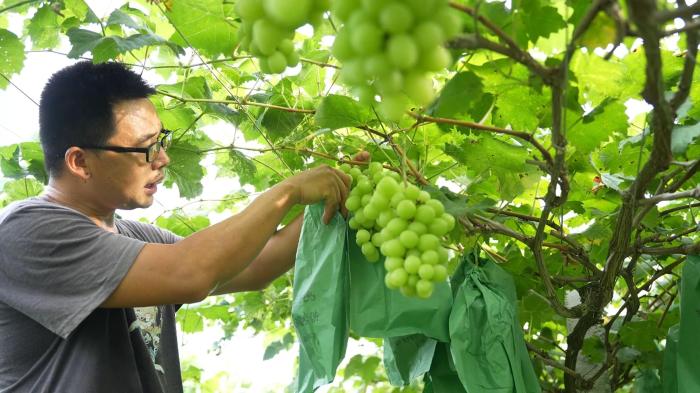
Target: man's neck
x,y
56,192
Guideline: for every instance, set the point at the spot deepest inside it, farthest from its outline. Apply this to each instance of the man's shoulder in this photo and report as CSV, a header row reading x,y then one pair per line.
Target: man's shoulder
x,y
34,207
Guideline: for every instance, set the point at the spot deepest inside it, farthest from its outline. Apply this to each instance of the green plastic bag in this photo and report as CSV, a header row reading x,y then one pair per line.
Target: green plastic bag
x,y
668,375
320,302
377,311
686,376
408,357
442,377
486,340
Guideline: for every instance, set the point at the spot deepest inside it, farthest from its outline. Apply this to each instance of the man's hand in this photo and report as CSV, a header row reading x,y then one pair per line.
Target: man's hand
x,y
326,184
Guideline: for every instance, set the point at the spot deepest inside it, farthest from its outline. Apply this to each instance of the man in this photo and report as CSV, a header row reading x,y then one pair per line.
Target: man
x,y
78,286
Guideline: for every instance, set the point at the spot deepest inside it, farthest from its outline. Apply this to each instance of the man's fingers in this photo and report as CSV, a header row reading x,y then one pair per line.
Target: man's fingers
x,y
332,202
362,156
344,177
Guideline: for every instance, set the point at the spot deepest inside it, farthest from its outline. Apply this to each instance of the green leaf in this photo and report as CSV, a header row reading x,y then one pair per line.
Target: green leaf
x,y
22,189
683,136
183,225
11,56
594,348
120,18
76,7
207,25
185,169
540,21
190,322
107,48
462,98
336,111
43,28
598,126
242,166
276,346
83,41
601,32
639,335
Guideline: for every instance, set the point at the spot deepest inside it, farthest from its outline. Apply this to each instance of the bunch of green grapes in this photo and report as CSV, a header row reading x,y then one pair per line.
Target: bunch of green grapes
x,y
402,223
389,48
267,29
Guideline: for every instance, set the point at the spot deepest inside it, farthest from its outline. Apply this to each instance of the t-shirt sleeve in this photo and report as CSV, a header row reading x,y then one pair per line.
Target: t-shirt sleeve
x,y
57,266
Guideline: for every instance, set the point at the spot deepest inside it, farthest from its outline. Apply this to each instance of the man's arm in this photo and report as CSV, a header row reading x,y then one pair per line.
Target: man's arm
x,y
194,267
276,258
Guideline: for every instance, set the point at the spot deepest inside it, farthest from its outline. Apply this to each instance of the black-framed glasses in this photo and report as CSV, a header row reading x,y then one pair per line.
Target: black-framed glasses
x,y
151,151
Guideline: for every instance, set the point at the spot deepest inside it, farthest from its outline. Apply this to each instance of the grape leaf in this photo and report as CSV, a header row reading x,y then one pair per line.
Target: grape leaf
x,y
43,28
207,25
336,111
11,56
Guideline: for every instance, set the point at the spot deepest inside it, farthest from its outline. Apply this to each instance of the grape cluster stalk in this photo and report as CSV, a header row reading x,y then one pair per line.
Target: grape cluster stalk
x,y
402,223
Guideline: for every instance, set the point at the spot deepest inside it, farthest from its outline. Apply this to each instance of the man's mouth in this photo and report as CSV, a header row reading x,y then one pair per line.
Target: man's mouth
x,y
153,187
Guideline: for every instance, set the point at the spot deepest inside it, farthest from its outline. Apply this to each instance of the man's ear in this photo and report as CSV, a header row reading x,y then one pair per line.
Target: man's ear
x,y
77,163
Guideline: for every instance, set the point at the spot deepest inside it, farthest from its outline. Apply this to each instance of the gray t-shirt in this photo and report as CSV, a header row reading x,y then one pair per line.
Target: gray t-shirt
x,y
56,268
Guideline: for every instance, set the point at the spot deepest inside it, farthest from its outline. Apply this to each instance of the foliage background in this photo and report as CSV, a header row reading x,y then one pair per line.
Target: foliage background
x,y
564,137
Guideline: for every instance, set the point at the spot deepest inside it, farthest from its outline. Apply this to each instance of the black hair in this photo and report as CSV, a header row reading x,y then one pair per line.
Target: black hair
x,y
76,107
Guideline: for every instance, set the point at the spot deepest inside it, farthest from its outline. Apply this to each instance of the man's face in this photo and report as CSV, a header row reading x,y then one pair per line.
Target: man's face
x,y
126,180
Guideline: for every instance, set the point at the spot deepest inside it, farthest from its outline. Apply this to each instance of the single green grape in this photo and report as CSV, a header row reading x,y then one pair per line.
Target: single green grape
x,y
387,187
437,206
380,201
342,46
392,248
412,264
402,51
438,227
398,277
362,236
367,39
440,273
352,203
371,211
428,35
423,196
450,21
426,272
396,199
428,242
418,227
393,263
396,226
396,18
290,14
375,167
411,192
425,214
406,209
393,107
435,59
419,88
378,239
249,9
266,36
277,62
424,288
430,257
409,239
408,290
450,220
